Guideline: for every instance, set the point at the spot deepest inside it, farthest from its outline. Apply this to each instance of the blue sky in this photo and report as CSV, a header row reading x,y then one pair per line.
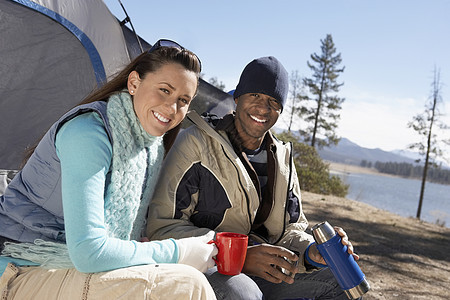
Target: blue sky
x,y
389,50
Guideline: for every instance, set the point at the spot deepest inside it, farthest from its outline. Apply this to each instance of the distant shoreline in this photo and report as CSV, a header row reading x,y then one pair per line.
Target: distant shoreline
x,y
345,168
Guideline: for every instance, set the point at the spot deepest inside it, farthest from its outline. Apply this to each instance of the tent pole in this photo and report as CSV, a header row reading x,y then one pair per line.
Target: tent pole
x,y
126,20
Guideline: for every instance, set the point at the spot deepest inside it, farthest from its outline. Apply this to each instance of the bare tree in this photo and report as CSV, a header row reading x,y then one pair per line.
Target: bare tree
x,y
297,95
425,124
218,84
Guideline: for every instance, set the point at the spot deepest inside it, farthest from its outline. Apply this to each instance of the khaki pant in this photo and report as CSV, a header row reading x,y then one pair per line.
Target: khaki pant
x,y
164,281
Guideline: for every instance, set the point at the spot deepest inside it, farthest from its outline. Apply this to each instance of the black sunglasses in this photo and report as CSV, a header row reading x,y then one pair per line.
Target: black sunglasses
x,y
169,43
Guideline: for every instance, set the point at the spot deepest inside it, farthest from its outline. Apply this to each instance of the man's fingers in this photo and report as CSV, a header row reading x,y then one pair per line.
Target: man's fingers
x,y
345,241
281,251
266,261
270,278
277,276
340,231
350,247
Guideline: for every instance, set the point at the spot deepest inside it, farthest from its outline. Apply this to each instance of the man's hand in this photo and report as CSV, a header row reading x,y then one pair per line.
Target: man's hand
x,y
345,241
315,255
262,261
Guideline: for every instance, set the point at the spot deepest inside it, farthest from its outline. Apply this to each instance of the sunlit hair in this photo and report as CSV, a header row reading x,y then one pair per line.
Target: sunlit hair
x,y
143,64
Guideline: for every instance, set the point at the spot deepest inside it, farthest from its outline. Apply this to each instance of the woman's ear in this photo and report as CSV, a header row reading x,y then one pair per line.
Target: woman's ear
x,y
133,82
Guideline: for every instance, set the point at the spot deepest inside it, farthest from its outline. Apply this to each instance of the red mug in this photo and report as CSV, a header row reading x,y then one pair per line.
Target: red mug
x,y
232,251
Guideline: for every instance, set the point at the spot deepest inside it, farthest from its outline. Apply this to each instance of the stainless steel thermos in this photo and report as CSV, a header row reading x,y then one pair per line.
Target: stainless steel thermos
x,y
343,266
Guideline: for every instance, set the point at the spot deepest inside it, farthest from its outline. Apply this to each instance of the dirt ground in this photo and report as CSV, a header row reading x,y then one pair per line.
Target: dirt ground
x,y
402,258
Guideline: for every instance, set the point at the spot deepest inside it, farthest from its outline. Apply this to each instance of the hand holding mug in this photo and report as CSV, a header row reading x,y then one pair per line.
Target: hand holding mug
x,y
197,252
232,252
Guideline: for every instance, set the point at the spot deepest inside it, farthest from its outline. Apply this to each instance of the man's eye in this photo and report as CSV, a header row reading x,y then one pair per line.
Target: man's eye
x,y
166,91
275,104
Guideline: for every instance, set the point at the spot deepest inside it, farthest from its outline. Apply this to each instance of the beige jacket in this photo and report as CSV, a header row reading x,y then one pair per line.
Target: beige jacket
x,y
205,186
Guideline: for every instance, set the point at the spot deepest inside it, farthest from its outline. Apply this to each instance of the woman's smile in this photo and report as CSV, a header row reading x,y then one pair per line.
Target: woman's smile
x,y
161,117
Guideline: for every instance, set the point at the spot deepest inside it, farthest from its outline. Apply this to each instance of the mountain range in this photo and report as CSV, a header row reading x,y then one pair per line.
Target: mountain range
x,y
347,152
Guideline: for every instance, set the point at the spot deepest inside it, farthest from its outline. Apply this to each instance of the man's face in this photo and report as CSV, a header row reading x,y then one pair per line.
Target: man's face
x,y
255,115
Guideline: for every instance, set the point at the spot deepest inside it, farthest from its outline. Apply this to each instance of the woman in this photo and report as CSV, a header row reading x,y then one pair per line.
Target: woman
x,y
73,217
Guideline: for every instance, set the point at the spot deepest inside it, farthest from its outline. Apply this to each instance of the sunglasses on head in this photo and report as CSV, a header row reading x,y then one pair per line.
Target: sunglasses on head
x,y
168,43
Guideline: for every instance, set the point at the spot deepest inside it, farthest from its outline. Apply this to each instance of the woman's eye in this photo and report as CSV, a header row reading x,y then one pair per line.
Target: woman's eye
x,y
166,91
184,101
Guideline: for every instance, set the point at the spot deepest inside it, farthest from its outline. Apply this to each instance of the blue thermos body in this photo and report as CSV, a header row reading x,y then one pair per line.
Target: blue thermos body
x,y
343,266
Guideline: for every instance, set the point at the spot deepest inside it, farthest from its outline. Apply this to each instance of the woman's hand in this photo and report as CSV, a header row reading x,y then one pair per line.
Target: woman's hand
x,y
197,252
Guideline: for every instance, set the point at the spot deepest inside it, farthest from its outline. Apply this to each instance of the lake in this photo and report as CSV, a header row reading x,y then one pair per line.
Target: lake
x,y
400,195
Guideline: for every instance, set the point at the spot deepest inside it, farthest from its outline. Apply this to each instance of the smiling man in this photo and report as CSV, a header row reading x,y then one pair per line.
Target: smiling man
x,y
232,174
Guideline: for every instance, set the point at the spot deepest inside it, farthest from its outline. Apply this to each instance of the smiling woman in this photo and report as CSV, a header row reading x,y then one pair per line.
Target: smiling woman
x,y
161,99
96,168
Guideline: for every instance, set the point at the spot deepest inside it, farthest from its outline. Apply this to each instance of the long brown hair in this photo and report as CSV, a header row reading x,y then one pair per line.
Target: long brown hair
x,y
143,64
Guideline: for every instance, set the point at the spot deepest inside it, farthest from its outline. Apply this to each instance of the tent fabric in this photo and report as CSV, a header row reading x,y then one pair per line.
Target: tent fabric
x,y
132,44
95,27
54,53
90,49
44,70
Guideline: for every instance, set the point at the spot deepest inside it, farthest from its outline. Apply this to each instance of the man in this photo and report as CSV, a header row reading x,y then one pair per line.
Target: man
x,y
232,174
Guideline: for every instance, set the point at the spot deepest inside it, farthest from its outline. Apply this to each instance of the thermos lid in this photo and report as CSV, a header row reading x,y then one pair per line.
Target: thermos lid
x,y
322,232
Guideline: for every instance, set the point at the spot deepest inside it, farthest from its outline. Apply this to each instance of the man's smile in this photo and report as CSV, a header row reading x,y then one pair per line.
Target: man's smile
x,y
258,120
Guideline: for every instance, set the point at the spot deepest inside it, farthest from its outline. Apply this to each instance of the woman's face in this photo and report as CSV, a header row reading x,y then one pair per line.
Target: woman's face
x,y
161,100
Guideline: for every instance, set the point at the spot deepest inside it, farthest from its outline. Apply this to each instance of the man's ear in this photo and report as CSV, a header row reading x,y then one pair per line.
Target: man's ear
x,y
133,82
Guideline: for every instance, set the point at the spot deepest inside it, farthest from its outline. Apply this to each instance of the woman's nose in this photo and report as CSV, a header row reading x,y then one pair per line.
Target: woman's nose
x,y
172,105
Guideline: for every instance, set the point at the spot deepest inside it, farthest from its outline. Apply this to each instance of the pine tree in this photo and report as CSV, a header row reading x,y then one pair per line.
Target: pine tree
x,y
323,113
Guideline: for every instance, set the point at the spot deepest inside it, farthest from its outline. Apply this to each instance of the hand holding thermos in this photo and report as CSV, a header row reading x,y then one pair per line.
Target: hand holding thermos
x,y
341,263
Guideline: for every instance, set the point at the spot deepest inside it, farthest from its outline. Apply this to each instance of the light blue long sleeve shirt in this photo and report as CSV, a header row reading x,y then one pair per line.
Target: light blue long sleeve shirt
x,y
85,153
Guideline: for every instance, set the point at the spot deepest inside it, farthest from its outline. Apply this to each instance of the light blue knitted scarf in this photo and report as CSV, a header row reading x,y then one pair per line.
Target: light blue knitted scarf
x,y
136,162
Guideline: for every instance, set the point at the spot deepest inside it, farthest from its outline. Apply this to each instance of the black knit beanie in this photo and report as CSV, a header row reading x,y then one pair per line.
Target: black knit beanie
x,y
265,75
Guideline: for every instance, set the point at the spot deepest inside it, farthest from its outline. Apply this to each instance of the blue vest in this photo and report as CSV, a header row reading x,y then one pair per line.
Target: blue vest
x,y
31,207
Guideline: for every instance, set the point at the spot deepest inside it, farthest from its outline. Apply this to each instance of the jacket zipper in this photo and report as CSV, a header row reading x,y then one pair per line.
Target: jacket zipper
x,y
287,194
